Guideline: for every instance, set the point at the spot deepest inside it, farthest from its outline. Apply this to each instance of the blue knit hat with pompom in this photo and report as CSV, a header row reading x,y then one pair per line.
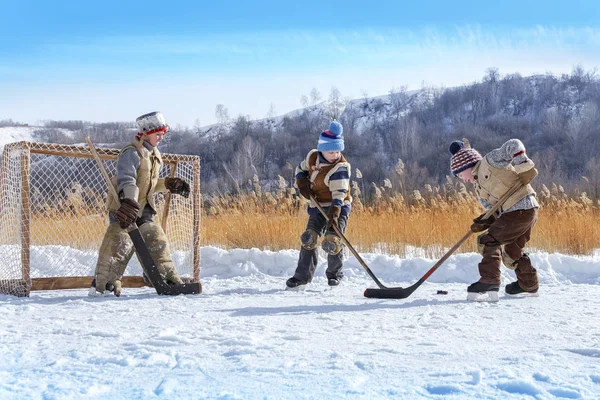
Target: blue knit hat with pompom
x,y
332,139
463,157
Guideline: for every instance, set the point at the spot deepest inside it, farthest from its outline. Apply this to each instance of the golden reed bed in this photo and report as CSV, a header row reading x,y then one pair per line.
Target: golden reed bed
x,y
395,222
392,222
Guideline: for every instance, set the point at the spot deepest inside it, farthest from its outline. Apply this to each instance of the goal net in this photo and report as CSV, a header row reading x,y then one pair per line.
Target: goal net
x,y
53,216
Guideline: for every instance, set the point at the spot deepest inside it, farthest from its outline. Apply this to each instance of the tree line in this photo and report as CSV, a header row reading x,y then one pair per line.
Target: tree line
x,y
557,117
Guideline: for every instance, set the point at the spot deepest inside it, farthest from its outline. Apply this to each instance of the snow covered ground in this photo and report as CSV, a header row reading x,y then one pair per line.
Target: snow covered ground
x,y
247,338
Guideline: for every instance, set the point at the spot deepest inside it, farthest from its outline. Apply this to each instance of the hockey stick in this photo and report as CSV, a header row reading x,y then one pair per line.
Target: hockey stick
x,y
402,293
354,252
141,248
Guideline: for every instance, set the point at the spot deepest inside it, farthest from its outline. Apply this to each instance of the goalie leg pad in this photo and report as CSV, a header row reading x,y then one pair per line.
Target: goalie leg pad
x,y
159,248
114,254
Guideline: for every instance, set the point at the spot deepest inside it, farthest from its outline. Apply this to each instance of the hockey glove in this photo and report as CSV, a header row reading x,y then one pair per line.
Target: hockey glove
x,y
527,176
479,224
128,212
178,186
303,185
333,214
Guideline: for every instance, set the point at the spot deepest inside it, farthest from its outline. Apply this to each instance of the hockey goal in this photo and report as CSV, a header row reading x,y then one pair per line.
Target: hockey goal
x,y
53,217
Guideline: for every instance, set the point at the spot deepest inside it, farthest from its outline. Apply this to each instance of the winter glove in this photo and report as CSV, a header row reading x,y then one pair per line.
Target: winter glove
x,y
333,215
527,176
127,212
303,185
480,224
178,186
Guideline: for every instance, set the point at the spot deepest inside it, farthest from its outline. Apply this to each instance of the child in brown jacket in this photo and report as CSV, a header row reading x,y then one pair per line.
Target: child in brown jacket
x,y
506,233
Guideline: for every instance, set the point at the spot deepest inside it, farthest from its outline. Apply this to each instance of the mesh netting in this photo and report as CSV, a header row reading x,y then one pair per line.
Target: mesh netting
x,y
53,213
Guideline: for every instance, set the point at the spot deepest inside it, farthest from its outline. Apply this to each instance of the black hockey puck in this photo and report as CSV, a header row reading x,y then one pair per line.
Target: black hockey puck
x,y
442,292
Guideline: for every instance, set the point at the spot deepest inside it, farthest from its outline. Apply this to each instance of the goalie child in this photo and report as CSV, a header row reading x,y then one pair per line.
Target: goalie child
x,y
138,167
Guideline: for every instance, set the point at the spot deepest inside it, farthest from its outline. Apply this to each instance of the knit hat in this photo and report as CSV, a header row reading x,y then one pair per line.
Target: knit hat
x,y
332,139
151,123
463,157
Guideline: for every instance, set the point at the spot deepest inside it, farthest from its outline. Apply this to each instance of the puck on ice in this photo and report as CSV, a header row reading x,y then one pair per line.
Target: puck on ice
x,y
442,292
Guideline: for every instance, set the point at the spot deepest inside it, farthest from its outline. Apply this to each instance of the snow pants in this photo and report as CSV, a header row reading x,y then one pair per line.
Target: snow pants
x,y
117,248
308,260
511,230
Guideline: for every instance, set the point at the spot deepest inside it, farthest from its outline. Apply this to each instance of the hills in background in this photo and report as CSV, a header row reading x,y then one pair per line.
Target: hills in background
x,y
557,117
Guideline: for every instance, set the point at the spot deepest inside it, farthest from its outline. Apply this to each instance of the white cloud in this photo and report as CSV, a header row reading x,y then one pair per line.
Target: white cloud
x,y
247,73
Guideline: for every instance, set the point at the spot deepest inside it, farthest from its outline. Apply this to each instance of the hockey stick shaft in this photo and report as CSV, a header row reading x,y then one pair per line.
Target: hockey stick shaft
x,y
347,243
403,293
488,214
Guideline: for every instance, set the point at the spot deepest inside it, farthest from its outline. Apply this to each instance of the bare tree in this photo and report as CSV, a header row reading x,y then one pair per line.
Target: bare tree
x,y
335,104
253,151
365,104
492,81
517,94
350,118
580,80
304,101
271,114
242,126
399,101
592,167
222,115
315,97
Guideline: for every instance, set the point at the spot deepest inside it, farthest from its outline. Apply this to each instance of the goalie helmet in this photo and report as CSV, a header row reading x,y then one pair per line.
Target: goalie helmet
x,y
151,123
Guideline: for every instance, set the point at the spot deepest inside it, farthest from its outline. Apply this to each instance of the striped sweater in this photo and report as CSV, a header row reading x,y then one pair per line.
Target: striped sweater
x,y
336,179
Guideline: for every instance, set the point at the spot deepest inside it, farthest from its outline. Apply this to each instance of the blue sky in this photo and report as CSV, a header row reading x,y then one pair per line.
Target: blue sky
x,y
107,61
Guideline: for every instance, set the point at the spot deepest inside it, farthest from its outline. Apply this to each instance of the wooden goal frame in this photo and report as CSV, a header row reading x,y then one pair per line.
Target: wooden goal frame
x,y
24,285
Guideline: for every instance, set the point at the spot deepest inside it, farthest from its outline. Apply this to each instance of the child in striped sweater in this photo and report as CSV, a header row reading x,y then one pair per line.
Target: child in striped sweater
x,y
324,175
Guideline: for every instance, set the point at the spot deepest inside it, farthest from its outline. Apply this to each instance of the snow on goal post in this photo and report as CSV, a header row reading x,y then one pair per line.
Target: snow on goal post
x,y
53,216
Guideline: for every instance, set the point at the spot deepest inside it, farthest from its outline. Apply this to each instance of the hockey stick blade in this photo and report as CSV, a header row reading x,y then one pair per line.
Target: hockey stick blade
x,y
186,288
402,293
151,270
391,293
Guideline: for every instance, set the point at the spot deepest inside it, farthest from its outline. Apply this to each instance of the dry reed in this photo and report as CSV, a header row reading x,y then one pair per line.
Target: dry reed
x,y
394,221
432,220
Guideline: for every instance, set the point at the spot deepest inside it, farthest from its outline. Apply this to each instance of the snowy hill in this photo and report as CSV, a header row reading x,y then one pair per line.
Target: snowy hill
x,y
362,111
12,134
247,338
16,134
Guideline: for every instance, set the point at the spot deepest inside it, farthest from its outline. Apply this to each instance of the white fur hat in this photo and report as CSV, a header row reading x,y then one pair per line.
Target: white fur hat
x,y
151,123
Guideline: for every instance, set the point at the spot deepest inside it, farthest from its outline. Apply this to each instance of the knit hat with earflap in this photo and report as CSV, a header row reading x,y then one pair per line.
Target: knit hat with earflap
x,y
463,157
151,123
332,139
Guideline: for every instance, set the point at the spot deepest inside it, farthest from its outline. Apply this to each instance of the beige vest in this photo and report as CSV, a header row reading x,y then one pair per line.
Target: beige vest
x,y
492,183
147,179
